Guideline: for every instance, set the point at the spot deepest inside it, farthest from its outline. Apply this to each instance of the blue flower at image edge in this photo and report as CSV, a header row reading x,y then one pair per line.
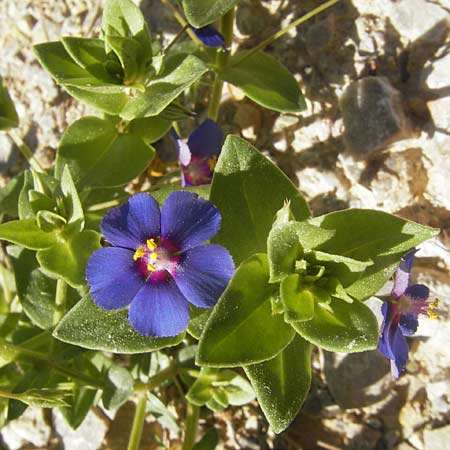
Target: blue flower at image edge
x,y
401,313
199,155
157,264
209,36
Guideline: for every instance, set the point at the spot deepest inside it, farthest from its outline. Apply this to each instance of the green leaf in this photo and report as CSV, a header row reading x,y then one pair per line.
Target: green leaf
x,y
63,69
92,327
36,291
341,327
45,397
27,234
68,259
203,12
118,387
9,196
282,383
123,18
209,441
89,54
198,319
265,80
287,242
49,221
366,235
98,155
79,406
243,317
298,301
24,208
179,72
72,204
150,129
249,190
8,114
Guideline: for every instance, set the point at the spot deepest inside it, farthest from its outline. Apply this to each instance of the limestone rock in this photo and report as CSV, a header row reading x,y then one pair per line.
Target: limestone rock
x,y
437,439
373,116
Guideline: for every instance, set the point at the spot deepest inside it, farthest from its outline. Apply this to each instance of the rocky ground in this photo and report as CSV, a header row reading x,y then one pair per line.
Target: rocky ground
x,y
376,134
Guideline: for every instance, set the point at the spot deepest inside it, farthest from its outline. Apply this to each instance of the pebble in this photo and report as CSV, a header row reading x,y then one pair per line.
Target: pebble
x,y
437,439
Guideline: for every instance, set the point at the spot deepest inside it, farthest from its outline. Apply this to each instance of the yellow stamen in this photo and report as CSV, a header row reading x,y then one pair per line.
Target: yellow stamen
x,y
151,244
154,256
212,162
151,267
435,304
432,314
139,253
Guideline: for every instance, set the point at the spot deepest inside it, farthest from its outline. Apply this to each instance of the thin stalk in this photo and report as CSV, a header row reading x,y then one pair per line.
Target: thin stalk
x,y
285,30
158,379
138,424
222,58
175,39
60,300
181,20
193,414
26,152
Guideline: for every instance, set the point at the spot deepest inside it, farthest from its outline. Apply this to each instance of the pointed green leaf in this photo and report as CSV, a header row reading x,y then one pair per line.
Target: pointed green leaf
x,y
27,234
287,242
72,204
243,317
8,114
68,259
49,221
9,196
80,404
298,300
366,235
98,155
282,383
150,129
203,12
266,81
92,327
63,69
341,327
25,209
179,73
249,190
118,387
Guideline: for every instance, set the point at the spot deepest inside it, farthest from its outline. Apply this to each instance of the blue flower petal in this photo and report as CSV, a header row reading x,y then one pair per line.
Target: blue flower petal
x,y
392,343
206,140
131,224
418,292
209,36
401,281
188,220
113,278
204,274
408,324
159,310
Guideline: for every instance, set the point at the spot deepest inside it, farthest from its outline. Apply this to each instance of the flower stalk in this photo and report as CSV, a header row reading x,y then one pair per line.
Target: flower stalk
x,y
138,424
193,414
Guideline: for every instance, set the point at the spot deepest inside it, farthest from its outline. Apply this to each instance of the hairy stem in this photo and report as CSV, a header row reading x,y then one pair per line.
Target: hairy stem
x,y
193,414
60,300
138,424
222,58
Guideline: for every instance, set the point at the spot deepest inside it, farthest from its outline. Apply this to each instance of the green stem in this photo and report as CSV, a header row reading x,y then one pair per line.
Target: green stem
x,y
26,152
222,58
60,300
138,424
193,414
285,30
175,39
158,379
183,22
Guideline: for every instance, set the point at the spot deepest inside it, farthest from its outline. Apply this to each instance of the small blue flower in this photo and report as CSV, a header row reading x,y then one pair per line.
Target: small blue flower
x,y
401,313
157,264
199,155
209,36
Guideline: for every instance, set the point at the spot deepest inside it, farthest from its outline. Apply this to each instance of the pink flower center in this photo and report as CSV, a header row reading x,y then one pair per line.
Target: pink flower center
x,y
199,170
416,306
156,260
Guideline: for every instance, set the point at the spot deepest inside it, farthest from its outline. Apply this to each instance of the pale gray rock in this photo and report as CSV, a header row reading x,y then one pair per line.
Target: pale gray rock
x,y
437,439
88,436
373,116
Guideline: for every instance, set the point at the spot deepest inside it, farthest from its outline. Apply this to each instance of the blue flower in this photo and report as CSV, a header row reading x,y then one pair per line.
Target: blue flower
x,y
209,36
157,264
199,155
401,313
